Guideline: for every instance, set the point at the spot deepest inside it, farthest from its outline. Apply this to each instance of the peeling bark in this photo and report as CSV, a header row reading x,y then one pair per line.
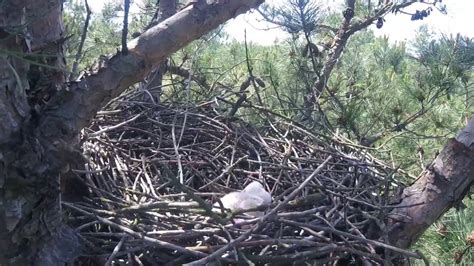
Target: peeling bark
x,y
441,186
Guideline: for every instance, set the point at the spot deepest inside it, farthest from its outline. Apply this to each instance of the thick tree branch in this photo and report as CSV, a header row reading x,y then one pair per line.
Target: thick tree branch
x,y
441,186
72,110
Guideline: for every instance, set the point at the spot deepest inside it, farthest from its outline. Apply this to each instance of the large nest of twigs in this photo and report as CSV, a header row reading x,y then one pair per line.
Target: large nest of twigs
x,y
153,173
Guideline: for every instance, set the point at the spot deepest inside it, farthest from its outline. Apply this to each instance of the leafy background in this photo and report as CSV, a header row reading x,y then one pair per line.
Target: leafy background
x,y
404,99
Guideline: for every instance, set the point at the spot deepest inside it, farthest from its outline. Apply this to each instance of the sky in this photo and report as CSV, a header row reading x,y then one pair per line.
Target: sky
x,y
396,27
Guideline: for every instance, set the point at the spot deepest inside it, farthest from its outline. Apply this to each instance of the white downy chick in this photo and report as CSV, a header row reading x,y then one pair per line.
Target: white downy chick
x,y
257,189
253,196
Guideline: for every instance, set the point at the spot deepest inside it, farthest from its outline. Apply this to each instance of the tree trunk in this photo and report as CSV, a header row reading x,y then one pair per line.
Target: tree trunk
x,y
32,67
40,118
154,83
441,186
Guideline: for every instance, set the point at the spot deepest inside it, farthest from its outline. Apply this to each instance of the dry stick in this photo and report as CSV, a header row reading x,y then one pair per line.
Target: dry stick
x,y
121,168
176,148
263,242
300,187
126,10
242,97
115,251
79,228
226,171
129,251
183,188
362,239
97,133
75,65
230,240
260,223
185,73
232,158
164,205
250,70
129,231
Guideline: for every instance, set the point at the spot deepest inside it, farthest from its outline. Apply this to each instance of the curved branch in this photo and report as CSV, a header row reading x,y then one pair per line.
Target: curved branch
x,y
72,109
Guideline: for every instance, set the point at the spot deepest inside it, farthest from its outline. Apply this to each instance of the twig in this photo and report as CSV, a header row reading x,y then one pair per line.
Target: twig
x,y
126,9
129,231
225,172
98,133
115,251
363,239
78,56
260,223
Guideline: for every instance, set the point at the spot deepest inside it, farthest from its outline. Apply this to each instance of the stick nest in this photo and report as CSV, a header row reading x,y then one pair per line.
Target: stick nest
x,y
153,173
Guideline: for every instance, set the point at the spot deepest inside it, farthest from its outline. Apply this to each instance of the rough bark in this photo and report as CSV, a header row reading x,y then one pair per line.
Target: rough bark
x,y
73,109
36,146
154,83
32,72
441,186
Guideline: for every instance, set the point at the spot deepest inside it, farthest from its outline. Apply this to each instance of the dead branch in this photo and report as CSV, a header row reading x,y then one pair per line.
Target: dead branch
x,y
78,56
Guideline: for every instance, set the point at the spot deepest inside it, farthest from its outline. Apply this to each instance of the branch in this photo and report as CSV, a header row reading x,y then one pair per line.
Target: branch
x,y
186,73
242,97
166,9
126,9
81,44
283,24
443,185
71,110
340,40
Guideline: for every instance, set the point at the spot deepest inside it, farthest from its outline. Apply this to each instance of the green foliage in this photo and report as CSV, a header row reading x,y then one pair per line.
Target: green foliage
x,y
409,97
74,18
402,99
104,32
296,15
448,236
412,96
405,98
